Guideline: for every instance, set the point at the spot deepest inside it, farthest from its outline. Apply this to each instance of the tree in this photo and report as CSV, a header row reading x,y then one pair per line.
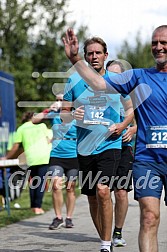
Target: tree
x,y
138,55
30,42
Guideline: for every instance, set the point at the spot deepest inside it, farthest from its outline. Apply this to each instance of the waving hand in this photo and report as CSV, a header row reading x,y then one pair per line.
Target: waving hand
x,y
71,45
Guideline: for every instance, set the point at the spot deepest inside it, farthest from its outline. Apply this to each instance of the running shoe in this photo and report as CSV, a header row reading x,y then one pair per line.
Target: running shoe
x,y
68,223
57,223
118,241
106,250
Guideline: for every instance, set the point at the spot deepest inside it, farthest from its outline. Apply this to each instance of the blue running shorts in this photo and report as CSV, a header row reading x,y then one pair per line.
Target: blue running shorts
x,y
149,178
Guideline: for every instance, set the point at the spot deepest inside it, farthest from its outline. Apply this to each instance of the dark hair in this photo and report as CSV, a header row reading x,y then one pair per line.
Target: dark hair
x,y
27,116
115,62
95,40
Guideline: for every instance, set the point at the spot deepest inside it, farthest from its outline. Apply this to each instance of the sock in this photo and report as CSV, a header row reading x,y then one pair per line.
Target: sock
x,y
59,217
117,233
105,245
119,230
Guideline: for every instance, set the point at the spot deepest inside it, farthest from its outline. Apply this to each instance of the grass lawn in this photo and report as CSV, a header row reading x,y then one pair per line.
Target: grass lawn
x,y
17,214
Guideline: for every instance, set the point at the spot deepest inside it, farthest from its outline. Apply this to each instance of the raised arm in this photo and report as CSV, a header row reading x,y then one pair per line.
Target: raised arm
x,y
38,118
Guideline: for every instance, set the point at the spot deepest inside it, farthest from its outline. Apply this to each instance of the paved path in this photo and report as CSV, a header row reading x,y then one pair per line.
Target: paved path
x,y
33,234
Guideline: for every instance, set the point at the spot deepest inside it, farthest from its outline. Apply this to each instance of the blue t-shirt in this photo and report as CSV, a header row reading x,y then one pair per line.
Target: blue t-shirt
x,y
101,111
148,90
64,137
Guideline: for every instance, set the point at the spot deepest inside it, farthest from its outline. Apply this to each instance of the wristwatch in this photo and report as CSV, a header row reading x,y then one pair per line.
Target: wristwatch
x,y
72,113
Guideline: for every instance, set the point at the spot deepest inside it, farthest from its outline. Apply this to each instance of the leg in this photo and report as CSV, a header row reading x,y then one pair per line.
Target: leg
x,y
149,222
105,211
37,187
57,172
70,203
108,163
121,189
88,166
57,196
100,168
148,195
31,190
70,198
40,190
94,212
121,207
71,176
101,212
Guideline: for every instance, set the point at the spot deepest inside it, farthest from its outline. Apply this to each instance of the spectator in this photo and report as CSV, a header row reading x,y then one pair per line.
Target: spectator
x,y
36,144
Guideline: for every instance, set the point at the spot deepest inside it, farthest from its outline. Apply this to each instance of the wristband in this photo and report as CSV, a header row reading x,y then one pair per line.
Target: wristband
x,y
46,111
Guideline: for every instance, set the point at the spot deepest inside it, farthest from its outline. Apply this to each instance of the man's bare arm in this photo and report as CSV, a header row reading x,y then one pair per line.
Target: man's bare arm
x,y
117,128
129,113
130,132
12,152
38,118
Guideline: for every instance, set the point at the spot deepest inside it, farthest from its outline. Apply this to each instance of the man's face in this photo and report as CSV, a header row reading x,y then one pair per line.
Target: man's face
x,y
95,56
159,46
